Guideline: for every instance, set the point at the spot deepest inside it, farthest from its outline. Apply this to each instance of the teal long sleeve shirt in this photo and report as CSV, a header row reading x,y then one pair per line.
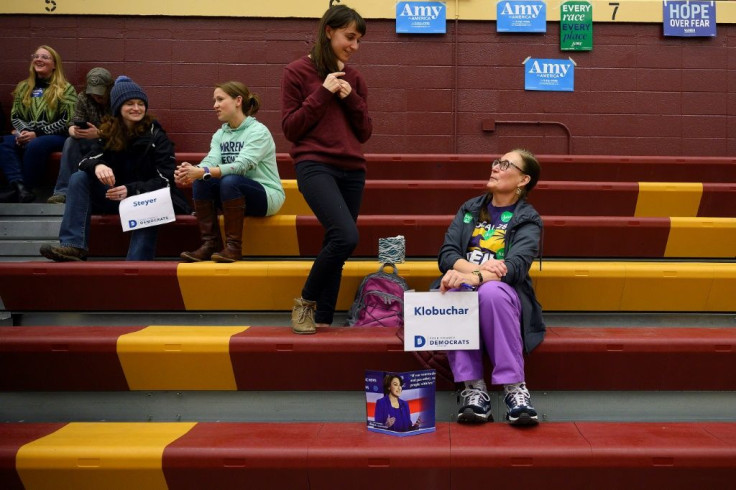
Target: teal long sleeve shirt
x,y
248,150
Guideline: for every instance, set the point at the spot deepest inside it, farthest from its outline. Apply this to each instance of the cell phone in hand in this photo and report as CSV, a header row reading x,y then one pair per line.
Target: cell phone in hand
x,y
81,124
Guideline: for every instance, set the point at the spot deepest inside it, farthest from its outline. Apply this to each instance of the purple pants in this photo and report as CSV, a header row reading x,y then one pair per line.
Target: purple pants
x,y
499,311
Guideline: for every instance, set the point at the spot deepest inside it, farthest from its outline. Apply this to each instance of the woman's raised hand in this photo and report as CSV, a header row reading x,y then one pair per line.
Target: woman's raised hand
x,y
333,83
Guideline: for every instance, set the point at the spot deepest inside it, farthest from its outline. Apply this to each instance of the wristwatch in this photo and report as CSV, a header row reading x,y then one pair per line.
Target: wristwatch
x,y
478,273
207,175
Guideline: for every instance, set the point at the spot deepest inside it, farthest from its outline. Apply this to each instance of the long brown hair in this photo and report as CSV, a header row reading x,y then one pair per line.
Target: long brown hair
x,y
251,101
117,135
336,17
57,82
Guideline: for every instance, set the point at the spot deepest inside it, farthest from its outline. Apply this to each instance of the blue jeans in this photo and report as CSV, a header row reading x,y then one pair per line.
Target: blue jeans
x,y
72,153
334,195
232,187
26,164
86,195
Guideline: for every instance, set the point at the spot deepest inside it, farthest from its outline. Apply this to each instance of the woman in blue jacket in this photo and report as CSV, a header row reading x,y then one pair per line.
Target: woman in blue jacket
x,y
490,246
391,411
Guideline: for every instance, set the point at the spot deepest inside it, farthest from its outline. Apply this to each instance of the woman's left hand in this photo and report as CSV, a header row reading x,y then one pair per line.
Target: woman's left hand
x,y
497,267
186,173
25,137
345,88
117,193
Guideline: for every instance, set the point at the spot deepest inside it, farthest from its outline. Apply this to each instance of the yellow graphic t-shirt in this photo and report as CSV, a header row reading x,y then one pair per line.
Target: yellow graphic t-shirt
x,y
488,238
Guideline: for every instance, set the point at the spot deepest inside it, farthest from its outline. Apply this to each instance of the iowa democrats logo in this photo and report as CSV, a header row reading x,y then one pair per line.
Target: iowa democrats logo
x,y
546,74
521,16
421,18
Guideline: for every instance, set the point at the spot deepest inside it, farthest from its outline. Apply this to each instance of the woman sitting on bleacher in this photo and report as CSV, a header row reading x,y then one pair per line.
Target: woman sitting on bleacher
x,y
239,173
136,156
42,109
490,246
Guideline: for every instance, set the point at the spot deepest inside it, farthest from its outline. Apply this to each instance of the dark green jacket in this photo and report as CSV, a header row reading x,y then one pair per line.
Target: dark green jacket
x,y
522,247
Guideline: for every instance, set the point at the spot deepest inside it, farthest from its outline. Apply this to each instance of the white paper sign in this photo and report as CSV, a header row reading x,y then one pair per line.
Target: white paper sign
x,y
148,209
436,321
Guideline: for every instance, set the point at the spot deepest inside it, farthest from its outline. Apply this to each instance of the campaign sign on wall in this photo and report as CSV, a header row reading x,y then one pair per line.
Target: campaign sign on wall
x,y
421,18
521,16
437,321
689,19
549,74
576,26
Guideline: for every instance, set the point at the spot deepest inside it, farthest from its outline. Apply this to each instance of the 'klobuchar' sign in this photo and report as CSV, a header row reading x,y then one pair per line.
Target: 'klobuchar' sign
x,y
421,18
689,19
576,26
547,74
521,16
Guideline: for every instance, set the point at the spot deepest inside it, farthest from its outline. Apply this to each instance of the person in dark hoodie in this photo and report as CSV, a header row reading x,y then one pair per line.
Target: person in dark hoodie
x,y
490,247
42,109
134,156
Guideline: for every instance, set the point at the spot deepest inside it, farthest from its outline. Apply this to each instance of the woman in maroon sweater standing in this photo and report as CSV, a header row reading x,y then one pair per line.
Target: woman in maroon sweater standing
x,y
325,116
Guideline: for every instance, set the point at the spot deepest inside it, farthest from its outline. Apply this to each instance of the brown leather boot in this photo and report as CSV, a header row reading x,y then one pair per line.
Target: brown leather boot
x,y
234,212
209,229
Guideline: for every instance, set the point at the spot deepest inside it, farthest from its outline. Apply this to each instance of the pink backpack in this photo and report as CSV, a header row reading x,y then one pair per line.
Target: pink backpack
x,y
379,300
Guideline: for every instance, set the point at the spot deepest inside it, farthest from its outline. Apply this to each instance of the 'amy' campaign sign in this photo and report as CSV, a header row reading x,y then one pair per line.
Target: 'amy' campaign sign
x,y
689,19
437,321
521,16
421,17
552,75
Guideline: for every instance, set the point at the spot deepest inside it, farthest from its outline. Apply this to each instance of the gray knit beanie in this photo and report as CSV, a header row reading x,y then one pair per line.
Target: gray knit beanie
x,y
125,89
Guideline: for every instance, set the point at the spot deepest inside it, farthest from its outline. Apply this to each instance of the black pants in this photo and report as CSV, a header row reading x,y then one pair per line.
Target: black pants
x,y
334,195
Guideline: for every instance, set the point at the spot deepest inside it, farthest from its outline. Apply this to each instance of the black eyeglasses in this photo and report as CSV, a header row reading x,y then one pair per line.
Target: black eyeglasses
x,y
504,165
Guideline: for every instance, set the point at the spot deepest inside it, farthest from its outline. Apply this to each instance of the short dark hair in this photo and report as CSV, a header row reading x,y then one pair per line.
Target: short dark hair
x,y
387,382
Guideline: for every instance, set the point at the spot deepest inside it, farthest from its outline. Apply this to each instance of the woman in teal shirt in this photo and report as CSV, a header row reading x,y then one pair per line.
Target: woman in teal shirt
x,y
239,173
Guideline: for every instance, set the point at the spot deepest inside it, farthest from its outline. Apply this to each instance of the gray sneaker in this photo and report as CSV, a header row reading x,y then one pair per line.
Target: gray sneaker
x,y
59,253
519,405
475,407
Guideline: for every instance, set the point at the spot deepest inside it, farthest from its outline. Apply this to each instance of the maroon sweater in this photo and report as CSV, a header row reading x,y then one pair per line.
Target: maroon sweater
x,y
321,126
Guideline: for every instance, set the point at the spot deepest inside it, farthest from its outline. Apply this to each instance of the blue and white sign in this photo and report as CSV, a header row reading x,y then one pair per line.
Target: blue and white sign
x,y
521,16
549,74
436,321
421,18
689,19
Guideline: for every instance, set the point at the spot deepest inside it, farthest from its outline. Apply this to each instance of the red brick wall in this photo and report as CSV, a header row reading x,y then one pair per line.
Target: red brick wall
x,y
637,92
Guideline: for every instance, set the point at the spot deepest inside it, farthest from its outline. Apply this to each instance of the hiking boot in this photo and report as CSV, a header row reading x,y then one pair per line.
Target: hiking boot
x,y
519,405
56,199
475,407
302,316
63,254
